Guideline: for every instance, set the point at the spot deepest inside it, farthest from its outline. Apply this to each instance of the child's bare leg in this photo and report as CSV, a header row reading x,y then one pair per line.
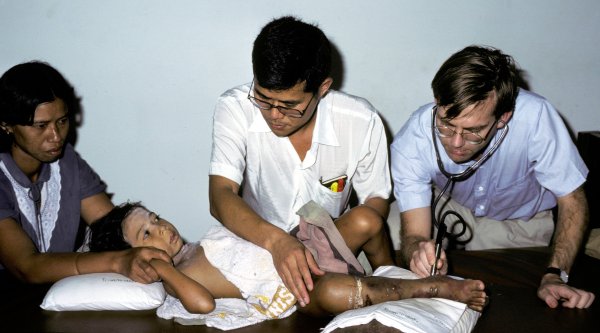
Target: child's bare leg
x,y
335,293
364,229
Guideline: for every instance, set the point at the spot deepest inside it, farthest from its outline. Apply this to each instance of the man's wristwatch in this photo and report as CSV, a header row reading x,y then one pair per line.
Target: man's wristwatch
x,y
562,274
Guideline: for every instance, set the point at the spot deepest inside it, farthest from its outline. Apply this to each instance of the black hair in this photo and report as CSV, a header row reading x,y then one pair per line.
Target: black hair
x,y
23,87
471,75
107,232
288,51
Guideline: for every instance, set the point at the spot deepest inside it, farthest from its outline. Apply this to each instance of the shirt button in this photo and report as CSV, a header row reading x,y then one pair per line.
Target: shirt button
x,y
480,188
481,207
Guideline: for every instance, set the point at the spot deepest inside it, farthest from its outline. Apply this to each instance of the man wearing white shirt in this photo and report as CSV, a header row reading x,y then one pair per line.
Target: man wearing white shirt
x,y
523,161
285,139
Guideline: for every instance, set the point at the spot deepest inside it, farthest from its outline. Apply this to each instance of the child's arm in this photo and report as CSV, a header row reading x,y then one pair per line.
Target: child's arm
x,y
194,296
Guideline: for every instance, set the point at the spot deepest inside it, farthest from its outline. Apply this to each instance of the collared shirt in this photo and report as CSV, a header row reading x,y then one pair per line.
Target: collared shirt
x,y
536,163
348,140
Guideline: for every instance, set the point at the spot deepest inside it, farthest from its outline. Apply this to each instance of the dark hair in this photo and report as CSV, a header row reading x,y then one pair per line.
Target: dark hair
x,y
107,232
23,87
288,51
471,75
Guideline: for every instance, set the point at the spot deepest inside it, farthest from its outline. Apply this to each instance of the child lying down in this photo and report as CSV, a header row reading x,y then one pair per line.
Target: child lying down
x,y
197,282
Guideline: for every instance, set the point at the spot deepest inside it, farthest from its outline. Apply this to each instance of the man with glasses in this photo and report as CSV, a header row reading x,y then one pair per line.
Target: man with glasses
x,y
286,139
512,160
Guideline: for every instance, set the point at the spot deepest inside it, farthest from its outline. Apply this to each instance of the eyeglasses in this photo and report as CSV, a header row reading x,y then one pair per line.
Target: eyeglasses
x,y
473,138
284,110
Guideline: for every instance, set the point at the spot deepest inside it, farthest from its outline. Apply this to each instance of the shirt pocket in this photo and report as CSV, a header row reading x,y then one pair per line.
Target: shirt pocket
x,y
520,193
333,202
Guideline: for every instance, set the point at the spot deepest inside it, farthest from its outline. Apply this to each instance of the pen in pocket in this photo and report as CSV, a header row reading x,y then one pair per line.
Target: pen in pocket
x,y
336,184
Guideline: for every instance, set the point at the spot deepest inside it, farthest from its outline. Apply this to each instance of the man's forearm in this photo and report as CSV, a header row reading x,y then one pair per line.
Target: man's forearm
x,y
415,228
235,214
408,246
571,224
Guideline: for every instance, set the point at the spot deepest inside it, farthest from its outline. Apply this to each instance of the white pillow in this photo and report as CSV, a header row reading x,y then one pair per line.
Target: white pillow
x,y
102,291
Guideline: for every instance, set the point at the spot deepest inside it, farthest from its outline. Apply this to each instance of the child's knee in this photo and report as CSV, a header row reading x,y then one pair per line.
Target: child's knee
x,y
366,220
335,293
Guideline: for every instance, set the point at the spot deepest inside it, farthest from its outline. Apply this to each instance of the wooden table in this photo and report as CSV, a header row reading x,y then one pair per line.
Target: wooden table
x,y
511,276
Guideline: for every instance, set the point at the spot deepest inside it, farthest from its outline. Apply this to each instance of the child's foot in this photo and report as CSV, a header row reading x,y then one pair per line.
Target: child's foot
x,y
470,292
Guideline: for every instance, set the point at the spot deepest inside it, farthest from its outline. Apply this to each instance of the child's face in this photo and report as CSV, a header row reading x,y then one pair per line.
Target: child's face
x,y
144,228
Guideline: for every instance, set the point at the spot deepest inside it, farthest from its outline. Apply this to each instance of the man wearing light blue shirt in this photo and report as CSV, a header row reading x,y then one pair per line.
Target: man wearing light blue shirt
x,y
518,162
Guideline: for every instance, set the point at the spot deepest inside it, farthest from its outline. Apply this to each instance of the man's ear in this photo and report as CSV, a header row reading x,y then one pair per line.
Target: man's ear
x,y
504,118
324,87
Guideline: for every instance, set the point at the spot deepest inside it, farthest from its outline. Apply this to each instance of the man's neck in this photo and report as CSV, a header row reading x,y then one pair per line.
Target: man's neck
x,y
302,138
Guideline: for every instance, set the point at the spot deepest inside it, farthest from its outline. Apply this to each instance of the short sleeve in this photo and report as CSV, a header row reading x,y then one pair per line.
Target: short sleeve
x,y
228,157
411,156
557,163
372,177
89,181
7,201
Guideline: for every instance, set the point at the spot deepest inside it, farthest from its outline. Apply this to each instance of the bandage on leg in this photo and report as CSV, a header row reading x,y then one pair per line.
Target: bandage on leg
x,y
355,299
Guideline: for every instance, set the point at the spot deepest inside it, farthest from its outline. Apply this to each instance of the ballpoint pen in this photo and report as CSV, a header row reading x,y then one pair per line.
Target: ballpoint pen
x,y
438,247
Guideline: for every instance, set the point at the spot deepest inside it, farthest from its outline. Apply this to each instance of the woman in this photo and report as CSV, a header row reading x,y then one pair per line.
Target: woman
x,y
46,188
197,279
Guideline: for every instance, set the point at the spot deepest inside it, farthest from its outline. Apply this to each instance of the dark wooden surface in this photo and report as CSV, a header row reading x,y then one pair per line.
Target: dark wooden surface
x,y
588,144
512,278
510,275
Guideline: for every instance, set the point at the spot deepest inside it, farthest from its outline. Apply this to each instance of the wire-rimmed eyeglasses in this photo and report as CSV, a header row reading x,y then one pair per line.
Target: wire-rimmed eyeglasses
x,y
471,169
284,110
474,138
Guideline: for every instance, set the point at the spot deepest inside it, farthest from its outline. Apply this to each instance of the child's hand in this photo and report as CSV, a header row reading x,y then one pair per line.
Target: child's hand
x,y
135,263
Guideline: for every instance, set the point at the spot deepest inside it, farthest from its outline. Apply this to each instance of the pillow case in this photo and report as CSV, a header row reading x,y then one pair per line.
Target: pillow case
x,y
102,291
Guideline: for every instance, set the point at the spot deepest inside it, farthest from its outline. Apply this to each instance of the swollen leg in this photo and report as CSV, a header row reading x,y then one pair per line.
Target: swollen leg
x,y
335,293
470,292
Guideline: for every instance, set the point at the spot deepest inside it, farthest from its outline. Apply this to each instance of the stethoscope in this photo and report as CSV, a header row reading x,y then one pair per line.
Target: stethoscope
x,y
440,223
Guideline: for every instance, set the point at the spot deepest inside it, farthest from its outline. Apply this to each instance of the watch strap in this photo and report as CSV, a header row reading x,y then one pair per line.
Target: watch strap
x,y
562,274
553,270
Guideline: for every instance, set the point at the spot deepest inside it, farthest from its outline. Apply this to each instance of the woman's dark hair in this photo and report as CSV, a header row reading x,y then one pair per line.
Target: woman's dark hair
x,y
471,75
107,232
24,87
288,51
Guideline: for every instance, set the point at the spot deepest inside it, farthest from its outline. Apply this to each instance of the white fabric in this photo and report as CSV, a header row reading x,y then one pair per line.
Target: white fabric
x,y
348,139
102,291
415,315
229,314
251,269
50,204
